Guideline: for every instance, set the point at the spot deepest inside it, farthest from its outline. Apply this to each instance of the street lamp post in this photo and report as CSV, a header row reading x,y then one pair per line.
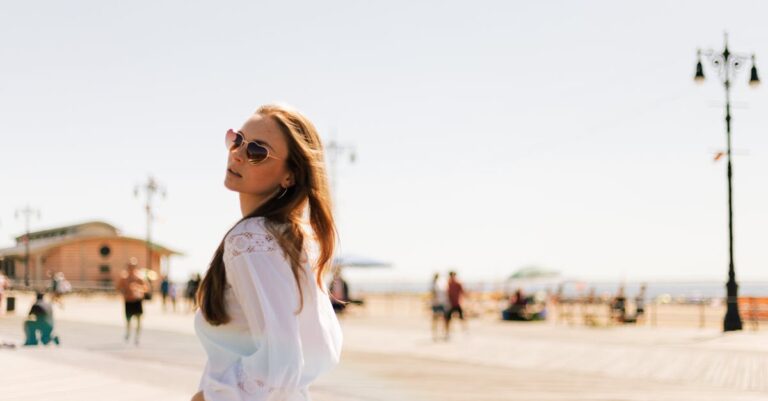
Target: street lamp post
x,y
149,188
727,65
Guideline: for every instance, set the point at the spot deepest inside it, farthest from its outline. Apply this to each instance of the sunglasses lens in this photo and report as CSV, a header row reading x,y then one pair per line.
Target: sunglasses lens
x,y
233,140
256,153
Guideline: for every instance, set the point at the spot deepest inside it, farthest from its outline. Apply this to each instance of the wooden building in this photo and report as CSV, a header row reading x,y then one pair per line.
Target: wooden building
x,y
90,255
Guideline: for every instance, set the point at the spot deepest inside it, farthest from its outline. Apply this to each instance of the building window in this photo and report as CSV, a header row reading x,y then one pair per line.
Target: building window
x,y
105,251
8,267
104,268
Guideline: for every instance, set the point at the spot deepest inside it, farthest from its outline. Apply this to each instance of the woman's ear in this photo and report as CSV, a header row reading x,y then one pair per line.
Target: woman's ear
x,y
288,181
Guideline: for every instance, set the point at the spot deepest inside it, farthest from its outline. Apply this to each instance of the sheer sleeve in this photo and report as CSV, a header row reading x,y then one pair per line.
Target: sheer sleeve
x,y
264,285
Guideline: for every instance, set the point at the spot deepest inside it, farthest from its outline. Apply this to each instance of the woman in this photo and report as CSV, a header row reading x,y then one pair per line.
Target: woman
x,y
265,319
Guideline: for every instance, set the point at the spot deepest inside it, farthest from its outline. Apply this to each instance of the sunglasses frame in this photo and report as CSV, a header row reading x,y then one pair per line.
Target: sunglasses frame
x,y
246,143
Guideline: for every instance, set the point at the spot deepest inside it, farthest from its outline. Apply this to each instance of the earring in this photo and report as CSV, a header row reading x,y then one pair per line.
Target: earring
x,y
285,191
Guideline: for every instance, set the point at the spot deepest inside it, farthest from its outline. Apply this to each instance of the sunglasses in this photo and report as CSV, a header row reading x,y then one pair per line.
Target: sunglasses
x,y
255,151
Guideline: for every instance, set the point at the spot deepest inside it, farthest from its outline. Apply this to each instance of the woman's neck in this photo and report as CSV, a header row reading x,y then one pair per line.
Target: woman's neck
x,y
249,203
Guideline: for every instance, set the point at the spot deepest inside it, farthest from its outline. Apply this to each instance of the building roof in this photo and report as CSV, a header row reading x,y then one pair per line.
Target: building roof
x,y
90,227
41,241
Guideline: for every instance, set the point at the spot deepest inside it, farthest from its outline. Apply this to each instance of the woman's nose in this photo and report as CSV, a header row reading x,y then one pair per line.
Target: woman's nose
x,y
237,154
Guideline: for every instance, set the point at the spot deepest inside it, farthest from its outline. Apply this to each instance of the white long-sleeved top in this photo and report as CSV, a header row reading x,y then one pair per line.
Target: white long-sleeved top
x,y
266,352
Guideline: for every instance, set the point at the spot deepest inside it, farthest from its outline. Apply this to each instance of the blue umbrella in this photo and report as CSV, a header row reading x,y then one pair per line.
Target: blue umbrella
x,y
358,261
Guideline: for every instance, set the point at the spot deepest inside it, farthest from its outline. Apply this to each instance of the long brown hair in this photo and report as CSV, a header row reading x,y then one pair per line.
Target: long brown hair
x,y
283,214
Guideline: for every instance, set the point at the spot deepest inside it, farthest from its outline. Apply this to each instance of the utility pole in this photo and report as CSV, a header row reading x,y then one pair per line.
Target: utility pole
x,y
335,152
27,212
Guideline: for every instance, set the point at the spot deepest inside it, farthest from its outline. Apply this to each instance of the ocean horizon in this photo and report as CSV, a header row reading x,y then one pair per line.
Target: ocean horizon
x,y
689,290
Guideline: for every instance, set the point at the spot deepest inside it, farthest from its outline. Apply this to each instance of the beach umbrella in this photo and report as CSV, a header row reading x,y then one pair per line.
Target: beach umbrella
x,y
532,276
356,261
534,273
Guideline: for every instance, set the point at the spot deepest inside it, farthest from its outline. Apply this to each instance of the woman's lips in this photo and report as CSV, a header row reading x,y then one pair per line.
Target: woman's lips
x,y
233,173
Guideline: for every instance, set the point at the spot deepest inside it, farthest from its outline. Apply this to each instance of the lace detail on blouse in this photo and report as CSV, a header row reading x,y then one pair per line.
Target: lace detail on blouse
x,y
286,351
249,386
250,242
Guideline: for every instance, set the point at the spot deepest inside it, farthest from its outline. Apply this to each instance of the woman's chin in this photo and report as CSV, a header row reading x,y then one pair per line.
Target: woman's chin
x,y
230,185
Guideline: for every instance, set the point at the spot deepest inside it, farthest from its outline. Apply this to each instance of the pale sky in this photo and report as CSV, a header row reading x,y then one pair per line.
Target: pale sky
x,y
490,135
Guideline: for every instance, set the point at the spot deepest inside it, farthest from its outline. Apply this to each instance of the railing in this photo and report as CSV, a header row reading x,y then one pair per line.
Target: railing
x,y
661,312
657,312
753,310
77,287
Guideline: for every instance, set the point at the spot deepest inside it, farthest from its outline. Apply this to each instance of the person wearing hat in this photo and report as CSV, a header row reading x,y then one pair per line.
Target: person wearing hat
x,y
133,287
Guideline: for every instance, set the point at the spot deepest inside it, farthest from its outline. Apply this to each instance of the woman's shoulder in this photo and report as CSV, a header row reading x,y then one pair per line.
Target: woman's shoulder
x,y
249,236
251,224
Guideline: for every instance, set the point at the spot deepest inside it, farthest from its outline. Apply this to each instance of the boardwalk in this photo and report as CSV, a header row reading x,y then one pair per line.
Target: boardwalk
x,y
394,359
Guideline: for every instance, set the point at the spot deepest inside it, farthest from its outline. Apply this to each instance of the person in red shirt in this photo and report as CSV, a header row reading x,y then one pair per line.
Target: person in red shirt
x,y
455,295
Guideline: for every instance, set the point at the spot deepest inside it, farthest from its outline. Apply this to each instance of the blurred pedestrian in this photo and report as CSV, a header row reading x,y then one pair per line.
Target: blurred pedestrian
x,y
54,286
518,307
339,291
40,321
191,292
133,287
172,294
640,305
164,289
438,295
455,297
589,311
619,306
149,277
59,286
265,318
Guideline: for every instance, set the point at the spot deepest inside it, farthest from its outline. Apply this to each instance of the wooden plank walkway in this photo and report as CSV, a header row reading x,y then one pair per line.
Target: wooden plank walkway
x,y
65,375
395,359
676,356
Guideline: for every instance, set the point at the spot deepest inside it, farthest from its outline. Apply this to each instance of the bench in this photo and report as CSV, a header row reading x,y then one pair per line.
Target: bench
x,y
754,309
